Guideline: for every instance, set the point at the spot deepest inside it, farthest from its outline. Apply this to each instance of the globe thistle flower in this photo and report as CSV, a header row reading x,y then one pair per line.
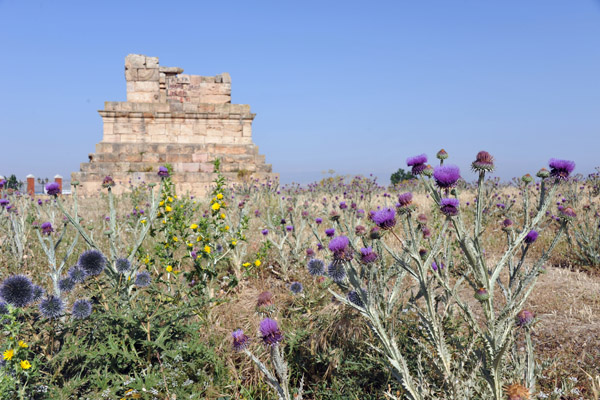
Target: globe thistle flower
x,y
77,274
265,299
384,219
122,265
484,162
524,318
481,294
66,285
442,154
315,267
446,176
568,214
92,262
449,207
52,307
517,391
354,298
330,232
561,169
418,164
3,308
336,271
367,255
240,341
296,287
143,279
163,172
108,182
271,335
38,292
53,189
82,309
543,173
531,237
47,228
17,290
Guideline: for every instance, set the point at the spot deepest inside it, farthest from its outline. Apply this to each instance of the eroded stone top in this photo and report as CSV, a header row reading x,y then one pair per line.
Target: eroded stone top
x,y
148,82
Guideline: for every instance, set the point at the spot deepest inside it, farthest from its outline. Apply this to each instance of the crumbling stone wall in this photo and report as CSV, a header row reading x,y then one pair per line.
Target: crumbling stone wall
x,y
171,117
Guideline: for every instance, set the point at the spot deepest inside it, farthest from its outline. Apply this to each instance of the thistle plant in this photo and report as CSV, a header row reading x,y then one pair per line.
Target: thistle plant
x,y
15,223
465,347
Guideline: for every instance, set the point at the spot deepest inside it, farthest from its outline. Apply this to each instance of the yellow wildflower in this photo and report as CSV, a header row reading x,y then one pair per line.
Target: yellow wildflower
x,y
220,196
170,199
190,245
193,226
216,206
233,242
22,344
175,239
207,249
25,364
198,239
246,264
169,268
8,354
226,227
143,221
257,263
222,216
168,209
175,196
162,203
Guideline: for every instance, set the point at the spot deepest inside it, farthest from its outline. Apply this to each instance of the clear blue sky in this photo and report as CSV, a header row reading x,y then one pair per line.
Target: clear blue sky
x,y
352,86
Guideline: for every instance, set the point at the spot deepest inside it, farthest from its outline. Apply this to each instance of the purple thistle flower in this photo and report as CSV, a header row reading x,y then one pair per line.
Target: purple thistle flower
x,y
561,169
53,189
418,163
426,232
531,237
82,309
330,232
360,230
484,162
384,219
339,246
52,307
524,318
568,214
367,255
310,253
163,172
47,228
319,220
315,267
240,341
4,202
271,335
405,199
17,290
449,206
265,232
289,228
108,182
446,176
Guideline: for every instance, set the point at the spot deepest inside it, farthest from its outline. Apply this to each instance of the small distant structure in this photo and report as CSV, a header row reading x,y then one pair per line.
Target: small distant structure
x,y
169,117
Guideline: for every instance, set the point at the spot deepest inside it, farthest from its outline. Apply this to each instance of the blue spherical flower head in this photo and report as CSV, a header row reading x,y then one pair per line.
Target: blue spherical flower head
x,y
384,219
296,287
38,292
122,265
143,279
367,255
449,206
53,189
17,290
92,262
52,307
561,169
66,285
77,274
3,308
446,176
271,335
82,309
531,237
336,271
418,164
240,341
316,267
354,297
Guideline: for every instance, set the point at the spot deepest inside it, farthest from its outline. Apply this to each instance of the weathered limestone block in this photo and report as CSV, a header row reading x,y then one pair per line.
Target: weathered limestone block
x,y
184,120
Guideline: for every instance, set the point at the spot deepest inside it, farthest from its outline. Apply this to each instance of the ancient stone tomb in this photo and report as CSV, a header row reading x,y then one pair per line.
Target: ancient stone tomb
x,y
169,117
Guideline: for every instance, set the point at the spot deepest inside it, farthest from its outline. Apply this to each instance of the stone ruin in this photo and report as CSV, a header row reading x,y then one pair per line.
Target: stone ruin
x,y
169,117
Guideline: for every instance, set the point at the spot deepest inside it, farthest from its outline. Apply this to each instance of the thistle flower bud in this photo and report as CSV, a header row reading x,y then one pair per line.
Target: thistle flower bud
x,y
543,173
567,214
163,172
527,179
482,294
375,233
108,182
428,171
524,318
484,162
442,154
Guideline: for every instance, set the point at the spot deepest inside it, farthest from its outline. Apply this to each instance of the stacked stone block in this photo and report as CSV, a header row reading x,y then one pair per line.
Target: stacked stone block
x,y
169,117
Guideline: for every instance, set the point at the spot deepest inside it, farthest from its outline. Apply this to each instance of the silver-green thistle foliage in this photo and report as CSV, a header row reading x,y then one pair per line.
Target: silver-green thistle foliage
x,y
481,364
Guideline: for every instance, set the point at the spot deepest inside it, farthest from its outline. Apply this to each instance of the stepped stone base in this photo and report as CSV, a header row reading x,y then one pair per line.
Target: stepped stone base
x,y
186,121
